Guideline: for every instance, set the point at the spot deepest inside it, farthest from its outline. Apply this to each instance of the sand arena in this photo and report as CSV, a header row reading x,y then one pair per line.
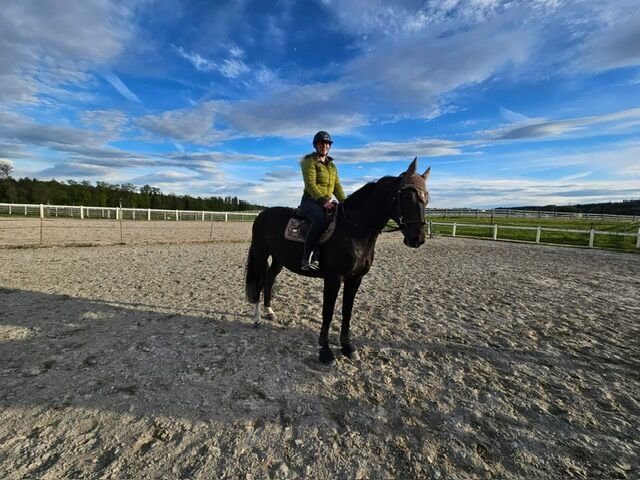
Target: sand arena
x,y
479,360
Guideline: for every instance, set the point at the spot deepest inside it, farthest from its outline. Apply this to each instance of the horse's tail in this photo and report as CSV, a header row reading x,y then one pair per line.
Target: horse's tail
x,y
253,276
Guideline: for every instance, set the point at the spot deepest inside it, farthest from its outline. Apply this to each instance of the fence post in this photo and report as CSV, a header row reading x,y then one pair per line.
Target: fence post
x,y
638,240
81,212
453,233
177,216
430,229
9,209
538,234
226,217
41,211
149,214
203,215
592,233
495,232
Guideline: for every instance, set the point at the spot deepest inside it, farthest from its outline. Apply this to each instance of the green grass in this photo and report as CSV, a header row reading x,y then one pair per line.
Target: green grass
x,y
562,238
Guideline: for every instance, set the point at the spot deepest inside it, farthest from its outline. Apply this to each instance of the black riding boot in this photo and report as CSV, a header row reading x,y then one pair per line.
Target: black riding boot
x,y
316,216
309,257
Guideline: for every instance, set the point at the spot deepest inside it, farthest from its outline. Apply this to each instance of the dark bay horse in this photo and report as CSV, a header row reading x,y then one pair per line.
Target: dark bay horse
x,y
347,256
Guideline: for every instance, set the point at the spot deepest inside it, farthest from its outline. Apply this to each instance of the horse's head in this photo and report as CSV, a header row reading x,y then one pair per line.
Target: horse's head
x,y
409,204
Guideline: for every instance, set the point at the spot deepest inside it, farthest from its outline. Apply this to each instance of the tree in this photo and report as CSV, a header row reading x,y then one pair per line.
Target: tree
x,y
5,168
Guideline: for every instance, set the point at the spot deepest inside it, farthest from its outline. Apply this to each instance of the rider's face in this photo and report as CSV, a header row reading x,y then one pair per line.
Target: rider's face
x,y
323,148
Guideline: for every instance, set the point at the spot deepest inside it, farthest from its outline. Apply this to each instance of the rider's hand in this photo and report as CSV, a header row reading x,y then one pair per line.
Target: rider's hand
x,y
329,205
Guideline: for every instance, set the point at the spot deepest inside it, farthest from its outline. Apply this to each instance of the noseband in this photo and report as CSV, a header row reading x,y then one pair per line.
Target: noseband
x,y
415,216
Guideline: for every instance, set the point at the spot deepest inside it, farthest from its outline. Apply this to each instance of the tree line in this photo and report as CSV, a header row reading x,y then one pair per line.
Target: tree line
x,y
103,194
625,207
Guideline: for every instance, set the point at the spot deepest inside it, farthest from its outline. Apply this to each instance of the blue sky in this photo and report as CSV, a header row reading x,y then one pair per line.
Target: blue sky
x,y
511,102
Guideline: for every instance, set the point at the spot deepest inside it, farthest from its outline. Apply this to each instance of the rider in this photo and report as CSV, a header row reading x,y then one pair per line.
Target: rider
x,y
320,184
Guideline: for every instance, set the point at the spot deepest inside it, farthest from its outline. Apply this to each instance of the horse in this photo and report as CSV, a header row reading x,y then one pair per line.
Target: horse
x,y
348,254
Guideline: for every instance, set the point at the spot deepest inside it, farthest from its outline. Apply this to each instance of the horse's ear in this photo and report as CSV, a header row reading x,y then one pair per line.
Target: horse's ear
x,y
426,174
412,168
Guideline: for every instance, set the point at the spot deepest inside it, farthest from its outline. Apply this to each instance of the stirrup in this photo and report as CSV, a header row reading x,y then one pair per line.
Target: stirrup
x,y
311,263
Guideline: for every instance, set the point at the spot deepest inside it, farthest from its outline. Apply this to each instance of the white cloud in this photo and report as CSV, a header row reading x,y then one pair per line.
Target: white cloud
x,y
199,63
232,67
120,87
394,151
297,111
192,125
83,171
511,192
236,52
51,42
614,42
111,121
541,128
414,72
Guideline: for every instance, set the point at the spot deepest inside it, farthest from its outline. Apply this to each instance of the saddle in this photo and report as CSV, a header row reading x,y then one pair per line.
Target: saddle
x,y
298,226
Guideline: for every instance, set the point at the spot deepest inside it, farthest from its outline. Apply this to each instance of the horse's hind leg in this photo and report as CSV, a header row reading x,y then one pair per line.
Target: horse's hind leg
x,y
272,273
255,276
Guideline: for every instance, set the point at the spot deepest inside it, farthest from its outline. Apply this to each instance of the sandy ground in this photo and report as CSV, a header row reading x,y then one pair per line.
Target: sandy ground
x,y
17,232
479,360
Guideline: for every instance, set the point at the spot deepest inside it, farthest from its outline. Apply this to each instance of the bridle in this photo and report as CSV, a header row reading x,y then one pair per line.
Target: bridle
x,y
394,210
416,215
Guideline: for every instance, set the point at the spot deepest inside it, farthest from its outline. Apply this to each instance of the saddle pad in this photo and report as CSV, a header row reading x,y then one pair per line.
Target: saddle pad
x,y
297,228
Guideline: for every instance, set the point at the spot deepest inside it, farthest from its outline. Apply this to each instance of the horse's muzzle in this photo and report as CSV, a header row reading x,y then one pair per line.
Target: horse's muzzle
x,y
414,237
413,243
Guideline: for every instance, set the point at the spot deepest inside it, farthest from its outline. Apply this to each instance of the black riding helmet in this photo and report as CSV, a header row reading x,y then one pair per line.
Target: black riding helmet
x,y
321,136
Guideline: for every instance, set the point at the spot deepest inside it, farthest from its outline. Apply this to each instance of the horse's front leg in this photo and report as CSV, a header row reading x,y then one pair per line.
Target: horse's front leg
x,y
351,286
330,294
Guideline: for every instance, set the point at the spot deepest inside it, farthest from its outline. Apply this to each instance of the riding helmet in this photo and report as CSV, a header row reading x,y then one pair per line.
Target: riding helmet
x,y
321,136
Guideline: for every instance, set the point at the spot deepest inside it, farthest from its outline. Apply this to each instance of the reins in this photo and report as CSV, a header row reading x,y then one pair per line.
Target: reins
x,y
344,217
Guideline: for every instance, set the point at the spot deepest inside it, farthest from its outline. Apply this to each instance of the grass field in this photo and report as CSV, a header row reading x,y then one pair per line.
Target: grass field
x,y
565,238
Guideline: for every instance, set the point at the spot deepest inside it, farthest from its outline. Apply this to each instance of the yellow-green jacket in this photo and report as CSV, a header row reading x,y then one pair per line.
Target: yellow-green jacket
x,y
321,180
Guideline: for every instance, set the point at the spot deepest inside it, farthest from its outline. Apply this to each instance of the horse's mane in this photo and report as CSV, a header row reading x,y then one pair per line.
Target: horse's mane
x,y
362,195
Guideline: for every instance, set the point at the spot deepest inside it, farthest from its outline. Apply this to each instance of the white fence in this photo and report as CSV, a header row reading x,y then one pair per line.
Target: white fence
x,y
148,214
117,213
68,211
591,233
514,213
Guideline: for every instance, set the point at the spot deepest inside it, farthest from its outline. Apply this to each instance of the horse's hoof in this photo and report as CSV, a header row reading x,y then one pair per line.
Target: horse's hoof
x,y
326,355
350,351
257,324
271,317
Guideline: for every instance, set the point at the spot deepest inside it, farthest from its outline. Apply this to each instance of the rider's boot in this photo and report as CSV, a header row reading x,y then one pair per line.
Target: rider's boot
x,y
309,259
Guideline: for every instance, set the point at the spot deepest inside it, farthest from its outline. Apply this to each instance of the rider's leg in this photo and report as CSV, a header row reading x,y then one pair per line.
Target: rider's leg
x,y
315,214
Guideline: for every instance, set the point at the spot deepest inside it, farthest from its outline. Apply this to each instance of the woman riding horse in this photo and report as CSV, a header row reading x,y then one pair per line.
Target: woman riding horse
x,y
346,256
321,182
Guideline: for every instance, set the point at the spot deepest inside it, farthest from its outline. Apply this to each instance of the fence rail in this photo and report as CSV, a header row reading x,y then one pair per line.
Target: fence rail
x,y
72,211
514,213
118,213
591,233
149,214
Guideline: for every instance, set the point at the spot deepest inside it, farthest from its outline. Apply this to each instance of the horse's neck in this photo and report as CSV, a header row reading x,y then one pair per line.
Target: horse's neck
x,y
373,213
